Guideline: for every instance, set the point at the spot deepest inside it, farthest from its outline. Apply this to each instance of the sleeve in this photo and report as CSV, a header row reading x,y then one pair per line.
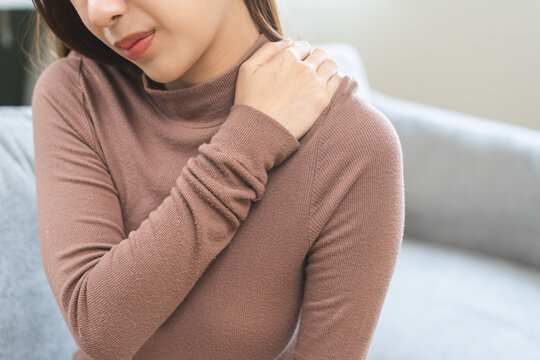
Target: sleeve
x,y
356,221
114,290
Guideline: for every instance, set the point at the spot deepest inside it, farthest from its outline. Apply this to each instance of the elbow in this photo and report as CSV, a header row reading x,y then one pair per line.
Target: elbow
x,y
101,347
99,343
90,328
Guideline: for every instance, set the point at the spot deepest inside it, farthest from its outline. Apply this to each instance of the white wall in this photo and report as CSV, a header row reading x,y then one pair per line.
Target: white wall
x,y
476,56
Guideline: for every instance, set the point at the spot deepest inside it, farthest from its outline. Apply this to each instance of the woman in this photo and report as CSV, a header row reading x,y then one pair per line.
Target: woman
x,y
149,157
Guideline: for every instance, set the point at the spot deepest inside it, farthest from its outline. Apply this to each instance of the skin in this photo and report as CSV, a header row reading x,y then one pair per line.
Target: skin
x,y
194,41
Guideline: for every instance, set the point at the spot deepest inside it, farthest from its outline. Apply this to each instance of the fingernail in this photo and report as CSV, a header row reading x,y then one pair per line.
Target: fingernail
x,y
287,40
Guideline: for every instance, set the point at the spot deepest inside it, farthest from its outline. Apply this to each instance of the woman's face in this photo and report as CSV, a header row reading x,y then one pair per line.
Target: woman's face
x,y
184,29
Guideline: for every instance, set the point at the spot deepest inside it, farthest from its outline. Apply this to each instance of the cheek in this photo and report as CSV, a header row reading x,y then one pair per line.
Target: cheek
x,y
99,34
186,18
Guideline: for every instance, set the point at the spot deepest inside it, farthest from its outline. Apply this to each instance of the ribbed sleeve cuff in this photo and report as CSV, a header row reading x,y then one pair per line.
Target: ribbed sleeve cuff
x,y
254,138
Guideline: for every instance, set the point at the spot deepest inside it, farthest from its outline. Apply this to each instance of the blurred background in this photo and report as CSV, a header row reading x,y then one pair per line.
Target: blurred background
x,y
480,57
459,81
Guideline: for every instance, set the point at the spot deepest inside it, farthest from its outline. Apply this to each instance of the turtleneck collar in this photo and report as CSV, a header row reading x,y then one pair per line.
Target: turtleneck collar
x,y
206,100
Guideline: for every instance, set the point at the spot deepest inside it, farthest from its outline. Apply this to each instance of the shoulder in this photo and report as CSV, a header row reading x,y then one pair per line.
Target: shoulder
x,y
57,94
358,147
59,101
59,78
66,77
356,141
77,76
354,130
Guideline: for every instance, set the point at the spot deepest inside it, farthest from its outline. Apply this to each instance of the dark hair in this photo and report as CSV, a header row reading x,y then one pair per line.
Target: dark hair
x,y
70,33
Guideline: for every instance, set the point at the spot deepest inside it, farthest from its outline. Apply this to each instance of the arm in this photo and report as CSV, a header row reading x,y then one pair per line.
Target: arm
x,y
114,290
357,219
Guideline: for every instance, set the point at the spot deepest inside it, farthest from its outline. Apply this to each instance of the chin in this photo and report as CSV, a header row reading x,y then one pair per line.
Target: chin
x,y
161,74
158,76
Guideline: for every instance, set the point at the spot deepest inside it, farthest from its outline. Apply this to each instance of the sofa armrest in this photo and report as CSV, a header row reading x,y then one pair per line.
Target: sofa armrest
x,y
31,322
469,181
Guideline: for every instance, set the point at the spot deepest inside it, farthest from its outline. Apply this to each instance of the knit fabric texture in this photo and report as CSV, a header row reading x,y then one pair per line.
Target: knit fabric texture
x,y
174,224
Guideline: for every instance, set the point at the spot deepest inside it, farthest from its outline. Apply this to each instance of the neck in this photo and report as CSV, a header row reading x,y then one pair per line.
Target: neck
x,y
236,36
204,101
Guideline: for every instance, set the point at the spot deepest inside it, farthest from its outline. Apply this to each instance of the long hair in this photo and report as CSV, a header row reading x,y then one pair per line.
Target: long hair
x,y
69,32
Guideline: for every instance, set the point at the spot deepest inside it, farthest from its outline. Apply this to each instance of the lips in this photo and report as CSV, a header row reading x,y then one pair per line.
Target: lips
x,y
127,42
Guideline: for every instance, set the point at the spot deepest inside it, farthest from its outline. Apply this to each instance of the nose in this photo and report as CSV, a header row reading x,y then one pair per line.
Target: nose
x,y
103,13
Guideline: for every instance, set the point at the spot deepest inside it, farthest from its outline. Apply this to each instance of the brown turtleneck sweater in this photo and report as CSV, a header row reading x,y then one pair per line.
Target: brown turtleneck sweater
x,y
174,225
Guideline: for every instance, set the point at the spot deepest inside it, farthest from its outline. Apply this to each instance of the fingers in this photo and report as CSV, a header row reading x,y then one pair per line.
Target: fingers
x,y
267,52
333,82
300,49
316,58
326,69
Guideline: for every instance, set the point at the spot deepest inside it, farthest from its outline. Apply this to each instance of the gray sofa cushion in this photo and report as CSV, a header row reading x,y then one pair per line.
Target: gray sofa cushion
x,y
30,320
445,303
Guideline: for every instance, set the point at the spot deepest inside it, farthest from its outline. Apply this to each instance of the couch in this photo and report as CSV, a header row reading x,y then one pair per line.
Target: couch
x,y
467,281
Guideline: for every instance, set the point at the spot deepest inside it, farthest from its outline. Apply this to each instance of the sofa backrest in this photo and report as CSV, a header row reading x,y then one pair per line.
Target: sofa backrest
x,y
469,181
